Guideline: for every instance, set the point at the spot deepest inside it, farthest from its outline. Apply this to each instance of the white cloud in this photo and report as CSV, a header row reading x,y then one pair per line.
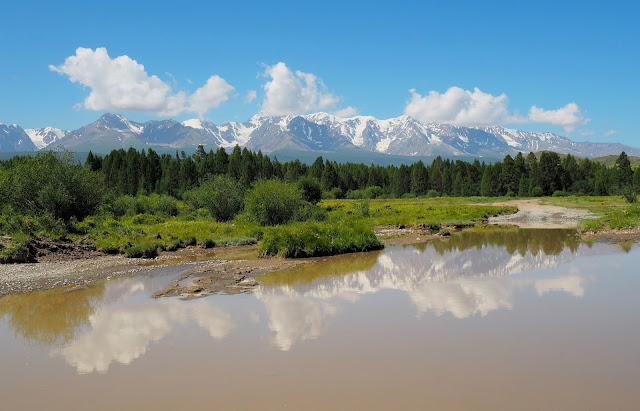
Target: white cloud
x,y
122,84
460,107
346,112
569,116
251,95
476,108
610,133
294,93
215,92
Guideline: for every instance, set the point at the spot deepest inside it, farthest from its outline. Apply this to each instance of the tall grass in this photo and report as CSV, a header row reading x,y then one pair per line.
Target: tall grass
x,y
318,239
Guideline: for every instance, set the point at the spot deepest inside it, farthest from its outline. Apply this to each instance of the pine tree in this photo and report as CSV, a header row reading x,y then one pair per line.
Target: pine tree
x,y
624,173
419,179
317,168
235,163
329,178
523,186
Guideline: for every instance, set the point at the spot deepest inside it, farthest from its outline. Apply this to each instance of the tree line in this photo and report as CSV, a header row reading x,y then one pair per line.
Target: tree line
x,y
134,172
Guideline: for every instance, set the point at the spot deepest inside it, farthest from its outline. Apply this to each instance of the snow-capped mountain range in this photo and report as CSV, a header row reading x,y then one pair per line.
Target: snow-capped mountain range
x,y
313,132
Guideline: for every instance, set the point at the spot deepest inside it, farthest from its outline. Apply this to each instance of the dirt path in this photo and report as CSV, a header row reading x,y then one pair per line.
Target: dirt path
x,y
532,214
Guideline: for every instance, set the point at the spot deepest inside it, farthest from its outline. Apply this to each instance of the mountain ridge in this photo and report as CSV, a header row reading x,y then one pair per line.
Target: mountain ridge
x,y
317,132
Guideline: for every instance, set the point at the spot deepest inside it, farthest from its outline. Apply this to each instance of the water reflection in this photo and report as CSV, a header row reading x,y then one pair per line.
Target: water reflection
x,y
470,273
122,334
51,317
118,318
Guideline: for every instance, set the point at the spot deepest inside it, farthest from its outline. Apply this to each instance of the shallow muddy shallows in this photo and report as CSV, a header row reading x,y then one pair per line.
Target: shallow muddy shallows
x,y
502,319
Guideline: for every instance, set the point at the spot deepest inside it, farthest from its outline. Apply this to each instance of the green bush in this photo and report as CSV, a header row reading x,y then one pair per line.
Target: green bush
x,y
223,197
49,183
536,191
145,250
165,206
630,195
337,193
361,208
355,195
311,189
310,212
372,192
433,194
146,219
272,202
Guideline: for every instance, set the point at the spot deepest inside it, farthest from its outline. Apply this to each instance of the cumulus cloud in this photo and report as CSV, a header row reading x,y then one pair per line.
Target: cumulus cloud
x,y
569,116
476,108
610,133
251,95
346,112
294,93
215,92
123,84
459,107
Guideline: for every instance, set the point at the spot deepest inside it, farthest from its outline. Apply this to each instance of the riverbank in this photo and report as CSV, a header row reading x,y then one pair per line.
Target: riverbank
x,y
224,269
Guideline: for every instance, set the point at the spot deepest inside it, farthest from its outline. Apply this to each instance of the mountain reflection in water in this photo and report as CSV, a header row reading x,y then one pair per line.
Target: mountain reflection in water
x,y
467,274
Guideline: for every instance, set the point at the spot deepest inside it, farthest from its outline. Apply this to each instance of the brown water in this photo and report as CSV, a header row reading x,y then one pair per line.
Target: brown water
x,y
518,320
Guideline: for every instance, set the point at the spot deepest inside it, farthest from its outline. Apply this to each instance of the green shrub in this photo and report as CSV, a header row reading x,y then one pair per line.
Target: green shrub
x,y
433,194
337,193
311,189
536,191
372,192
223,197
361,208
145,250
146,219
560,193
355,195
630,195
165,206
310,212
49,183
272,202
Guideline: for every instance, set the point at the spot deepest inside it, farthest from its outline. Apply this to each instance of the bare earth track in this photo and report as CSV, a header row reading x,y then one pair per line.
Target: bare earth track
x,y
532,214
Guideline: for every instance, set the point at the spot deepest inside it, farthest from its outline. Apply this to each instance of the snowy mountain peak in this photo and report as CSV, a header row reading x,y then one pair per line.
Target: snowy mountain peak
x,y
119,122
193,123
42,137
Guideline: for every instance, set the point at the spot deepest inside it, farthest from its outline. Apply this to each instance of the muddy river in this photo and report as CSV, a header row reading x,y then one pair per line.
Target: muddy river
x,y
523,319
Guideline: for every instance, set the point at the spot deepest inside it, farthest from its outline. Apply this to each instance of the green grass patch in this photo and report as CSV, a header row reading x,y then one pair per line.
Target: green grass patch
x,y
318,239
416,211
612,211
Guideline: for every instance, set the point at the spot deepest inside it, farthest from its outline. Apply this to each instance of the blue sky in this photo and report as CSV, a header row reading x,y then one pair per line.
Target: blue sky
x,y
566,67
